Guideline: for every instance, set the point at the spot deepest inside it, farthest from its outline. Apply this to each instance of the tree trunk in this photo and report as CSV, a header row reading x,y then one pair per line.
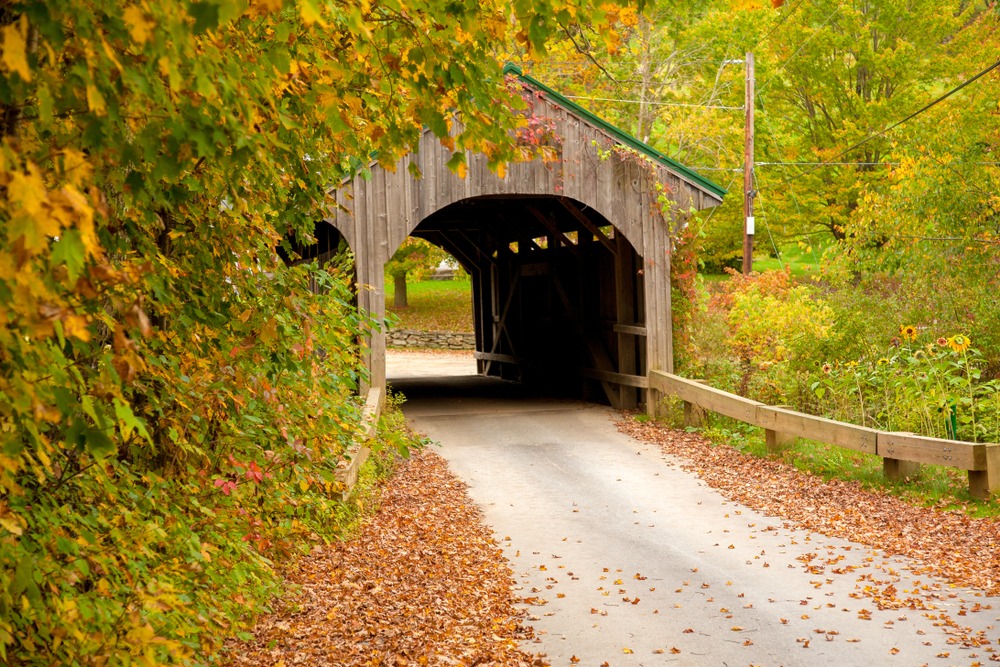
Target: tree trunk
x,y
399,300
644,124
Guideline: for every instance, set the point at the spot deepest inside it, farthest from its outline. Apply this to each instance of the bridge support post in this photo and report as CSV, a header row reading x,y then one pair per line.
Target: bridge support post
x,y
371,302
656,289
625,280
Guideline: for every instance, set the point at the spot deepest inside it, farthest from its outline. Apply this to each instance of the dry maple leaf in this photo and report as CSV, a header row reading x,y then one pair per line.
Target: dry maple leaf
x,y
424,576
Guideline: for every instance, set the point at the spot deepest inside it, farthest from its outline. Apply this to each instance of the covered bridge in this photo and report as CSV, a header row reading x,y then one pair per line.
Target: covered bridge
x,y
569,257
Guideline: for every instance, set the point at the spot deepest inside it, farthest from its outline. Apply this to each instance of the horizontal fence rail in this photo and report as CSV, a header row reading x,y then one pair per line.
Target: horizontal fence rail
x,y
347,473
902,453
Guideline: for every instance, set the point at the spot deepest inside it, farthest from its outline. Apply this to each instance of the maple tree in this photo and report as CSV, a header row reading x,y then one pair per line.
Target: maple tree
x,y
176,401
415,257
853,161
829,75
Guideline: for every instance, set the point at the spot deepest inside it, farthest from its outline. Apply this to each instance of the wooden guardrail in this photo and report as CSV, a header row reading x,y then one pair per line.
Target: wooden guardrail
x,y
347,474
902,453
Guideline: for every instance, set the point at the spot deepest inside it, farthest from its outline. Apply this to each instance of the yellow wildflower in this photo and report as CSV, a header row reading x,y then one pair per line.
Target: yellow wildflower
x,y
959,343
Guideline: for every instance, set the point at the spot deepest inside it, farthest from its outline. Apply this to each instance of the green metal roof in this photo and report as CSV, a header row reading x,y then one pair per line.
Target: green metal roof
x,y
620,135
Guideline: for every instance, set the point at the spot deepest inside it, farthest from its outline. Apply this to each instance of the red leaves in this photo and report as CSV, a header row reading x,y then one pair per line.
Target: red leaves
x,y
422,583
254,473
227,485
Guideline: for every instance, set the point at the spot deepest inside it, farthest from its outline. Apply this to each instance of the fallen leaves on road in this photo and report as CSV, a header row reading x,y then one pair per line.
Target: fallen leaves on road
x,y
946,543
423,583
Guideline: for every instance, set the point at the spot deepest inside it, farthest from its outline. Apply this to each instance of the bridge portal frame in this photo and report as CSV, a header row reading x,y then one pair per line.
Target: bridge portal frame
x,y
600,176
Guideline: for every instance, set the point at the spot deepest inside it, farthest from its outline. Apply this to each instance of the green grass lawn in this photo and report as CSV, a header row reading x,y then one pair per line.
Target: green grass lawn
x,y
435,305
803,261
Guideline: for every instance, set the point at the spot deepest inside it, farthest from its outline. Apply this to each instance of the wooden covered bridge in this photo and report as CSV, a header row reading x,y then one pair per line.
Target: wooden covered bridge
x,y
569,258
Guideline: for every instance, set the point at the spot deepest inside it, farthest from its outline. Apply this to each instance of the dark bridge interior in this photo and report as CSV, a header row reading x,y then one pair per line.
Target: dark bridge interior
x,y
556,292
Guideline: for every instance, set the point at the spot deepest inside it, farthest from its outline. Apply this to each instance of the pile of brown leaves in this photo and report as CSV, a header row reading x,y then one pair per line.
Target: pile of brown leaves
x,y
946,543
423,583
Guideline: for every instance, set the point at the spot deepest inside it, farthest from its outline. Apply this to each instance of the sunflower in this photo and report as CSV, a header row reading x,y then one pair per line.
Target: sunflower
x,y
959,343
908,332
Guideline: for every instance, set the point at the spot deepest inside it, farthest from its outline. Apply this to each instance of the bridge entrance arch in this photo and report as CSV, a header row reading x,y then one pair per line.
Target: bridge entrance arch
x,y
569,258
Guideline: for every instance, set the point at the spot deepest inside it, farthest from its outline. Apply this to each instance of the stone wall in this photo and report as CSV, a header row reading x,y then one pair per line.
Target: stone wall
x,y
451,340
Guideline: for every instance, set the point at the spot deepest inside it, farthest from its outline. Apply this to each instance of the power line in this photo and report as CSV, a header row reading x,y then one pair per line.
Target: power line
x,y
777,25
897,123
735,169
656,104
763,215
825,164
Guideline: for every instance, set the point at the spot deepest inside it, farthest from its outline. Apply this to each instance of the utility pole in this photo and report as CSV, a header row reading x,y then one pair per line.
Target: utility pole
x,y
748,191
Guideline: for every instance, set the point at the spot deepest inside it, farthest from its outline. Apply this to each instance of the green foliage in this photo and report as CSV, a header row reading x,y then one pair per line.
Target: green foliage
x,y
721,260
774,325
416,258
683,294
176,401
933,388
708,356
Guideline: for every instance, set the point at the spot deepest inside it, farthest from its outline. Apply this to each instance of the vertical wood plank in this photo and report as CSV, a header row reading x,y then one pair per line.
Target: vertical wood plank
x,y
387,209
625,305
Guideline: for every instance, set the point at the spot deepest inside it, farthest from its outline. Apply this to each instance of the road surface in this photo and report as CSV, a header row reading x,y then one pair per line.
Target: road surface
x,y
626,559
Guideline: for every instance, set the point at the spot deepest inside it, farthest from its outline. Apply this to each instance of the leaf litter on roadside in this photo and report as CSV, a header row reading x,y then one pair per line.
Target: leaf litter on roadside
x,y
944,543
422,583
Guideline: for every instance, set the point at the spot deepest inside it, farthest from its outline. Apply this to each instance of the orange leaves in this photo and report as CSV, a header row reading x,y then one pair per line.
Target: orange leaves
x,y
258,8
414,582
949,543
254,473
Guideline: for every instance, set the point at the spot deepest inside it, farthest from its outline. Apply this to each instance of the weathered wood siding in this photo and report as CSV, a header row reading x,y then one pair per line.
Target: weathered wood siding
x,y
377,215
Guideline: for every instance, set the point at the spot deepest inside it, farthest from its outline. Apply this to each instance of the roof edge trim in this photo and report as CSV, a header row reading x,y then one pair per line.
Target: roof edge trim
x,y
621,135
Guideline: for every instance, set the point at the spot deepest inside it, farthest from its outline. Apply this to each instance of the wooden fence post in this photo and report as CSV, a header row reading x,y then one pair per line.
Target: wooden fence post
x,y
984,483
777,441
898,470
694,415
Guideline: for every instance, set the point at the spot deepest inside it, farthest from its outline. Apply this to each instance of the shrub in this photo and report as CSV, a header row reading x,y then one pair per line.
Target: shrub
x,y
143,526
774,325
